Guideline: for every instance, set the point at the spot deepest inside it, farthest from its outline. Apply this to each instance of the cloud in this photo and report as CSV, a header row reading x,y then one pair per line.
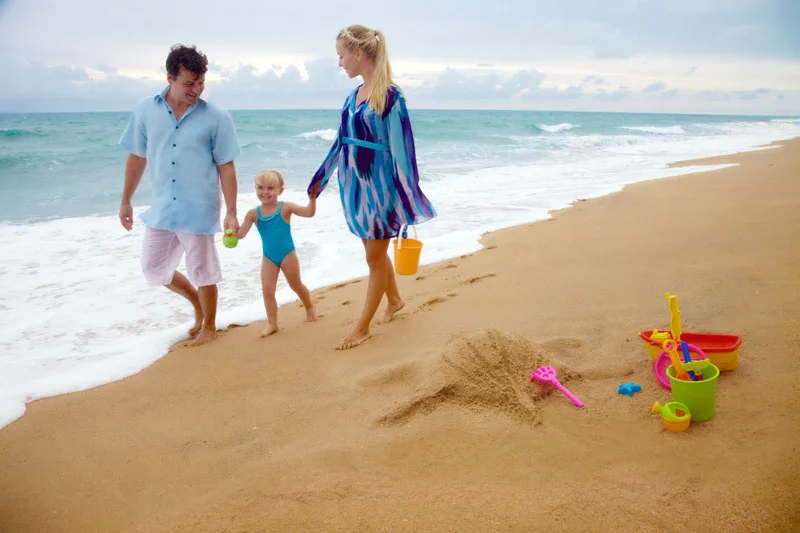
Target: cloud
x,y
593,80
752,95
655,87
740,95
105,69
321,84
554,94
714,95
620,93
457,85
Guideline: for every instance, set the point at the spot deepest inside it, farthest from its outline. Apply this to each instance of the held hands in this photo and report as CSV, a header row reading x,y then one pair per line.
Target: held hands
x,y
126,216
313,192
231,222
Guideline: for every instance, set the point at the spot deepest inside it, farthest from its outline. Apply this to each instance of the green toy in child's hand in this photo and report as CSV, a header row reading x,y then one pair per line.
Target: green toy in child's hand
x,y
229,239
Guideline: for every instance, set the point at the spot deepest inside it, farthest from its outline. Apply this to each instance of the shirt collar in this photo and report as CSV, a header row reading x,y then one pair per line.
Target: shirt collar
x,y
162,97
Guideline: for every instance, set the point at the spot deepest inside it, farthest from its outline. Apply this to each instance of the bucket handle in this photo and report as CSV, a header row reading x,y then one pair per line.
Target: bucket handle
x,y
403,232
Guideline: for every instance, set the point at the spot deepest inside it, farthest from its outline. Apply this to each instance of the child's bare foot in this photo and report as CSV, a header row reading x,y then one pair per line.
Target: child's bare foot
x,y
390,311
311,314
269,331
198,323
205,336
354,339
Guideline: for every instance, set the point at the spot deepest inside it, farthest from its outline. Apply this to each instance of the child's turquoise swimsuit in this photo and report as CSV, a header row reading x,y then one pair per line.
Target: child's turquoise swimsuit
x,y
276,235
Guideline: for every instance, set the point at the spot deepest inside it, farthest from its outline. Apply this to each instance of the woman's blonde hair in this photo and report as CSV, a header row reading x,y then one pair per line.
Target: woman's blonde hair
x,y
373,44
269,178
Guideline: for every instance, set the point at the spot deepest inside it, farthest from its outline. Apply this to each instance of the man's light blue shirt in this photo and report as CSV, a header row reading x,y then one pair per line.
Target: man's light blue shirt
x,y
182,156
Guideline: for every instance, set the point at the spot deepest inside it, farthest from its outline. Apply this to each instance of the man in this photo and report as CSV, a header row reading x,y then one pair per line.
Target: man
x,y
190,145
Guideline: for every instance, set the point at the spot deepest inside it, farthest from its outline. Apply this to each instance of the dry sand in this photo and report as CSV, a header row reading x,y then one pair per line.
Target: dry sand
x,y
432,425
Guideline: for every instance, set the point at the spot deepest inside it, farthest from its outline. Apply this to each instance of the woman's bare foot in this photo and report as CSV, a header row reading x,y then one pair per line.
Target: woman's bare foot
x,y
269,331
354,339
391,310
206,335
311,314
198,322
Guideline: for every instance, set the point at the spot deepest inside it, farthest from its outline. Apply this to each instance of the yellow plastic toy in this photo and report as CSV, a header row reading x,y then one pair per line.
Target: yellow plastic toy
x,y
670,346
674,415
659,336
674,317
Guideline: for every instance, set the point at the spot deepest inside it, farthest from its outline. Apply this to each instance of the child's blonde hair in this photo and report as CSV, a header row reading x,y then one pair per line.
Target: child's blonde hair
x,y
269,178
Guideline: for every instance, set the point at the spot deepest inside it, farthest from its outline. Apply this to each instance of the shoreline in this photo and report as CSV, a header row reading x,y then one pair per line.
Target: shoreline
x,y
389,423
234,317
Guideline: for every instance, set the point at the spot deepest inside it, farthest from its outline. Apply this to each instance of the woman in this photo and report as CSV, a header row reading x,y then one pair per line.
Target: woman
x,y
378,177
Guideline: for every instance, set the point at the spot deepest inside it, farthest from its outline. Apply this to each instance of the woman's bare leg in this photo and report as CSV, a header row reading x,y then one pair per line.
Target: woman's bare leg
x,y
378,280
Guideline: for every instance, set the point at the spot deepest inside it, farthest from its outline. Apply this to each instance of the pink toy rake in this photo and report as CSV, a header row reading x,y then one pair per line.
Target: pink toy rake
x,y
547,374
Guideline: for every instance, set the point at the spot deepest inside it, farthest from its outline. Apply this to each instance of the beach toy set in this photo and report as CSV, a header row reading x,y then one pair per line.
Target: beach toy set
x,y
721,349
688,364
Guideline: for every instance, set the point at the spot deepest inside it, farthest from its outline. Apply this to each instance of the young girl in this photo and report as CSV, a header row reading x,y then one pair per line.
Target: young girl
x,y
272,221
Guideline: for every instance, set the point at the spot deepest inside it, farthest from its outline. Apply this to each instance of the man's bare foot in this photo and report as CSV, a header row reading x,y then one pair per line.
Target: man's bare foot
x,y
269,331
311,314
205,336
354,339
198,323
390,311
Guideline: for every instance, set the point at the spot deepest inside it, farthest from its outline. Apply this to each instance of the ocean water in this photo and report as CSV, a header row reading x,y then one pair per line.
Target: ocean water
x,y
75,312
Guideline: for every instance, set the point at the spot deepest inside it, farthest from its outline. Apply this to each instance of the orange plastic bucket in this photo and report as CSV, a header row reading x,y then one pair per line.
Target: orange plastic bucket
x,y
406,254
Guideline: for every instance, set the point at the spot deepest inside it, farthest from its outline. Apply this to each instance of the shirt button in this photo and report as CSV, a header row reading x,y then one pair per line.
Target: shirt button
x,y
173,181
173,162
174,145
174,198
176,127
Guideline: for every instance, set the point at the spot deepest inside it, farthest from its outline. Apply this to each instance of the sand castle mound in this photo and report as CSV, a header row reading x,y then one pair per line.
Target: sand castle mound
x,y
486,371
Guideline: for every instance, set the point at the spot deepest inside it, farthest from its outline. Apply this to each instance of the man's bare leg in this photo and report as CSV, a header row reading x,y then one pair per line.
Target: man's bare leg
x,y
208,302
181,285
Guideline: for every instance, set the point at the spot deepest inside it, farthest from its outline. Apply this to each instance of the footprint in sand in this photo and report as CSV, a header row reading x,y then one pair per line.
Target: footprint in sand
x,y
470,281
432,303
487,371
346,302
402,373
344,284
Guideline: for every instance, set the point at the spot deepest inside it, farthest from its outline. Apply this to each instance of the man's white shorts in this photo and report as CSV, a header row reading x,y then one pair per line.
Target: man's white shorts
x,y
162,251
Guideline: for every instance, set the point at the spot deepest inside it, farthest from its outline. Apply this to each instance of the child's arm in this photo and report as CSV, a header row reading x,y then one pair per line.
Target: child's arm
x,y
309,210
247,223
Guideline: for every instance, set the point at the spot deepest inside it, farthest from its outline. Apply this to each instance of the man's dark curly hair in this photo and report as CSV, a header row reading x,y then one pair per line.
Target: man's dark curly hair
x,y
188,57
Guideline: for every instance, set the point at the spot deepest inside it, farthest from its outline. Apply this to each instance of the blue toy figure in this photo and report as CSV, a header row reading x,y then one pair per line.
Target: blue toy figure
x,y
630,388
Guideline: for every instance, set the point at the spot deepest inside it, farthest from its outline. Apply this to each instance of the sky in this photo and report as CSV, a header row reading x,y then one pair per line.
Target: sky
x,y
668,56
